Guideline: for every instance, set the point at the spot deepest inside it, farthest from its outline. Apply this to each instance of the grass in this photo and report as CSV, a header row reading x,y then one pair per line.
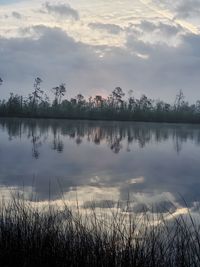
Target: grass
x,y
30,236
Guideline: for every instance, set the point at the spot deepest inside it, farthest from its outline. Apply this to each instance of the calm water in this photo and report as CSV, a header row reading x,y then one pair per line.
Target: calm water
x,y
101,161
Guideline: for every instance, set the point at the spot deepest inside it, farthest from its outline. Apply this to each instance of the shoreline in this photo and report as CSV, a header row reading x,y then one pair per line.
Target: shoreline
x,y
100,119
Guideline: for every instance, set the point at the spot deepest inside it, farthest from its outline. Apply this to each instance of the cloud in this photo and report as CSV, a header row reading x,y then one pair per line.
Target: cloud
x,y
62,10
51,53
188,8
110,28
16,15
182,8
162,28
156,32
88,69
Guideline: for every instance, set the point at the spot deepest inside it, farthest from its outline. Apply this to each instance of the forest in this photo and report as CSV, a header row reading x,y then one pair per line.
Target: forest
x,y
117,106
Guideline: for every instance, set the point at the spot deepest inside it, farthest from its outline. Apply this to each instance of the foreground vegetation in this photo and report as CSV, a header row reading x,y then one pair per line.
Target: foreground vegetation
x,y
54,237
116,106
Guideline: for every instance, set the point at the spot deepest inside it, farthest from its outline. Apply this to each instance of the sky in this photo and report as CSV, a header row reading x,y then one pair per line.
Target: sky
x,y
148,46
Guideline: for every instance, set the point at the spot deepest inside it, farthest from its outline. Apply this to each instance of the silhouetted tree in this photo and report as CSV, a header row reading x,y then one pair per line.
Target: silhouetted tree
x,y
179,101
115,107
145,103
37,93
197,106
131,100
117,95
59,92
98,101
80,99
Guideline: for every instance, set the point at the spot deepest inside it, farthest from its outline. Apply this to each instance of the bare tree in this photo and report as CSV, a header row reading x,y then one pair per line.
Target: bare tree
x,y
37,93
179,101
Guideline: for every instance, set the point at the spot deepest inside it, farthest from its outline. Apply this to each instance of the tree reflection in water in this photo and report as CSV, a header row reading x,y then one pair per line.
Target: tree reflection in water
x,y
117,135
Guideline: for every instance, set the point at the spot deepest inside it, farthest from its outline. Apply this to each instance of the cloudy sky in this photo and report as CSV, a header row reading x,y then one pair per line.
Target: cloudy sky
x,y
149,46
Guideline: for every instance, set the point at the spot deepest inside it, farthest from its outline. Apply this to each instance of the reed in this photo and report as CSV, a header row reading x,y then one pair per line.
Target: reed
x,y
31,236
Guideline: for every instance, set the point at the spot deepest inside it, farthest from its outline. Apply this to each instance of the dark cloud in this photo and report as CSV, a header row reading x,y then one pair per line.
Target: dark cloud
x,y
56,57
110,28
162,28
168,34
188,8
16,15
182,8
62,10
52,53
103,204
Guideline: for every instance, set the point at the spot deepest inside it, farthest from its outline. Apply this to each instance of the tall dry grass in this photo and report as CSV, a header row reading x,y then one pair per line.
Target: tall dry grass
x,y
30,236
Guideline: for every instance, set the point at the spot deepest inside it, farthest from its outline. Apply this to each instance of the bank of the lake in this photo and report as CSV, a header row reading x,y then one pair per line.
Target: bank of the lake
x,y
116,106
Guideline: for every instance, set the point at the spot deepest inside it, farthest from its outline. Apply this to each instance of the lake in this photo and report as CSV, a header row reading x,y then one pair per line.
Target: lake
x,y
104,162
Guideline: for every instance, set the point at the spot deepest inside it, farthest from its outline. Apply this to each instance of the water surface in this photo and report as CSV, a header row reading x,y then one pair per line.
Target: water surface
x,y
102,161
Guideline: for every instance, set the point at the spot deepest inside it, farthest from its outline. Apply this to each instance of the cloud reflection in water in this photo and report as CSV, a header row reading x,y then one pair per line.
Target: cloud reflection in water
x,y
103,162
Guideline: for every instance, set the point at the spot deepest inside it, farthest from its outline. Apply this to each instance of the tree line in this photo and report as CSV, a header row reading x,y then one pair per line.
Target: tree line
x,y
117,106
